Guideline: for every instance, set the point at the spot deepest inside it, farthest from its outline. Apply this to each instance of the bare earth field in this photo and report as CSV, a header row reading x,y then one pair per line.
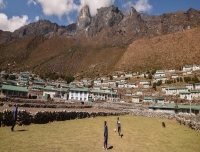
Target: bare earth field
x,y
140,134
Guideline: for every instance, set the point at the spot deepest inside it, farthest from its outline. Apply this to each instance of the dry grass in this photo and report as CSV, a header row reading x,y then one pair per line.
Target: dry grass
x,y
167,51
140,134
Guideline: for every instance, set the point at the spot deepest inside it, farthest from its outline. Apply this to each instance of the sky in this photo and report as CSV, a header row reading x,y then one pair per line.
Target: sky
x,y
17,13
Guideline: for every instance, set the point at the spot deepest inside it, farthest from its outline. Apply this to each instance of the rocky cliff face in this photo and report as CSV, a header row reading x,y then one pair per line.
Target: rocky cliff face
x,y
84,18
3,36
111,26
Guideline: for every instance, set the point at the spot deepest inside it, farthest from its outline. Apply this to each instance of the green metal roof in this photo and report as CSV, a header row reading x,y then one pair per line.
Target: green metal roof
x,y
98,91
184,92
148,98
195,91
14,88
188,107
172,106
48,87
39,82
160,98
79,89
189,84
20,81
112,93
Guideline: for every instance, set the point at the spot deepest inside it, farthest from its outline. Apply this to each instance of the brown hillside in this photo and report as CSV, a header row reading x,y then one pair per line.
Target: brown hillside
x,y
167,51
60,55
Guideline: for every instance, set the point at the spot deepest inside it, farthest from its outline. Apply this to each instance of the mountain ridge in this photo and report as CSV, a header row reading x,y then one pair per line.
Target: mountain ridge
x,y
99,44
112,23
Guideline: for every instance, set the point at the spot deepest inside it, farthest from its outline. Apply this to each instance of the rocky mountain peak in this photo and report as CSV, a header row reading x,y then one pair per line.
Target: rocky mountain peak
x,y
109,15
111,26
41,27
84,18
193,14
133,11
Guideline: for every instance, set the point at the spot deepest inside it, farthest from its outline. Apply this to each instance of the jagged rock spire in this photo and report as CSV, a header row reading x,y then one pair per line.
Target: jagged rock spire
x,y
84,18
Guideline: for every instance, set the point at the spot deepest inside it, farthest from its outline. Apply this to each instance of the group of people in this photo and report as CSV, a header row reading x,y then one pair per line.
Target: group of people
x,y
105,144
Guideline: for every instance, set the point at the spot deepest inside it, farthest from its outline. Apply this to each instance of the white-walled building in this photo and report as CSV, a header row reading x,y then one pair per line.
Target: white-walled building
x,y
146,85
96,87
196,67
139,92
187,68
121,85
171,70
97,82
112,82
174,76
160,100
135,99
143,82
160,73
148,99
163,79
197,86
185,95
80,94
175,90
122,80
195,93
128,75
115,76
132,85
189,86
163,88
51,91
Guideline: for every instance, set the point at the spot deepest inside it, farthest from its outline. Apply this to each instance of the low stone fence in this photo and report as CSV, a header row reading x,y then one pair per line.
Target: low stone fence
x,y
191,121
42,117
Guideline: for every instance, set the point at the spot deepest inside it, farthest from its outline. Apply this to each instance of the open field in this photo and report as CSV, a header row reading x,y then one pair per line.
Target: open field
x,y
141,134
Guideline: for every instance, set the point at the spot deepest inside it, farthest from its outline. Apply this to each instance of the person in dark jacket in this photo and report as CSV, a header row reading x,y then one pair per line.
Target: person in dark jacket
x,y
105,144
119,126
14,117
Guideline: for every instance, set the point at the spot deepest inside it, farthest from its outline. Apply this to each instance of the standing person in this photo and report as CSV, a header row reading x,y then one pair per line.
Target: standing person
x,y
119,126
105,144
14,116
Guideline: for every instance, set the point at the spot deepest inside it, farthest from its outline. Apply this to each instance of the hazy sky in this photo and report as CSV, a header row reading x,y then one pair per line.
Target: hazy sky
x,y
17,13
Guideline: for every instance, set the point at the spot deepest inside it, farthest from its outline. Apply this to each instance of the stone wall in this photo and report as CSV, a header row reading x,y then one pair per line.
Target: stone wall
x,y
192,121
41,103
42,117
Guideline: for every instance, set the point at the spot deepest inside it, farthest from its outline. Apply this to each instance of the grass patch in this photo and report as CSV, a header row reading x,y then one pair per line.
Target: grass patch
x,y
140,134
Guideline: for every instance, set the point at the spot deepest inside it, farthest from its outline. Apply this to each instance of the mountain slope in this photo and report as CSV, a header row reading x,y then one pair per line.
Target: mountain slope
x,y
167,51
110,40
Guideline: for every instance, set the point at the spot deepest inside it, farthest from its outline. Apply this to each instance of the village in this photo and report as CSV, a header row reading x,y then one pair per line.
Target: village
x,y
163,90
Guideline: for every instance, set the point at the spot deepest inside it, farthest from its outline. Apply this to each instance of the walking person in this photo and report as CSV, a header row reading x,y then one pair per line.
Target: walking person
x,y
14,117
105,144
119,126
